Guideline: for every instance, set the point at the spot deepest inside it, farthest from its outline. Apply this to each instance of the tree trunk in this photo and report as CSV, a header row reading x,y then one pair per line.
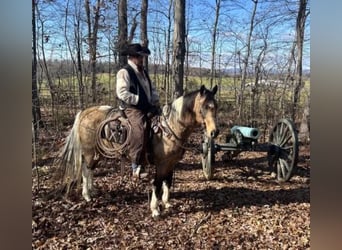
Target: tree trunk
x,y
300,27
122,40
241,100
178,47
214,37
36,114
255,88
304,129
92,43
77,63
50,82
143,28
167,55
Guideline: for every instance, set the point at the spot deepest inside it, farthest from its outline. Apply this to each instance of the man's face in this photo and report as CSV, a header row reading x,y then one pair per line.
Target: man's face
x,y
138,60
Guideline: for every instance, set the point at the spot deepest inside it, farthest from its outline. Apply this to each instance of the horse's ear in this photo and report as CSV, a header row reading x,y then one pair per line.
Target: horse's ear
x,y
214,90
202,89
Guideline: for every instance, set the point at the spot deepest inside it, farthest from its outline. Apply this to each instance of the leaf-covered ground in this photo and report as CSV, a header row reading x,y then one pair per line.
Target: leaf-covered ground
x,y
243,207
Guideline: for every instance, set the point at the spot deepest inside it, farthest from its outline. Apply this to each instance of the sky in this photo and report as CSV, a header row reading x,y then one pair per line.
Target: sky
x,y
232,32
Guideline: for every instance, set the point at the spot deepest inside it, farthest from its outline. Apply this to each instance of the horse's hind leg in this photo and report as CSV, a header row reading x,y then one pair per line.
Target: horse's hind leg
x,y
87,178
86,182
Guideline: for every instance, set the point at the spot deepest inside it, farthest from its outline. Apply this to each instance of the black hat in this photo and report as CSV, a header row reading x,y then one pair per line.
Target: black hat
x,y
135,49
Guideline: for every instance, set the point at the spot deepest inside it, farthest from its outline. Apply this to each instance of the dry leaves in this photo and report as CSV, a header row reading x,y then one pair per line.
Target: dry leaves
x,y
241,208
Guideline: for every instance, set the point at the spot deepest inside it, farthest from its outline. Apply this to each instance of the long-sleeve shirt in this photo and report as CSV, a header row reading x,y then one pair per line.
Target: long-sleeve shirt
x,y
123,86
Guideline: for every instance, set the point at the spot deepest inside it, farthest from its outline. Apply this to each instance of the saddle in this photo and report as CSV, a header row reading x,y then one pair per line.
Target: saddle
x,y
114,133
115,128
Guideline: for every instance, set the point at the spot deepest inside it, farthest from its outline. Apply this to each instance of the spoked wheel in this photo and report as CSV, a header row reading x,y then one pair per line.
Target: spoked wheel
x,y
283,150
208,157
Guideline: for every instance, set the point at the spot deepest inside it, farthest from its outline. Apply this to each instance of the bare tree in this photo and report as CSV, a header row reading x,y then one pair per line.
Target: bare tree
x,y
300,28
304,128
167,54
44,38
257,72
143,28
240,100
36,115
77,38
214,38
178,47
93,26
123,31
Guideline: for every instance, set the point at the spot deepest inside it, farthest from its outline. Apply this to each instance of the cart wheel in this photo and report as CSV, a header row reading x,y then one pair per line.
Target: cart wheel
x,y
283,150
208,157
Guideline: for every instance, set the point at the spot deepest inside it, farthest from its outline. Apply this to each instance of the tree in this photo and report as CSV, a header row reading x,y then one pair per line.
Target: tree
x,y
178,47
92,41
77,38
143,28
214,38
36,114
241,99
258,75
123,33
300,28
44,39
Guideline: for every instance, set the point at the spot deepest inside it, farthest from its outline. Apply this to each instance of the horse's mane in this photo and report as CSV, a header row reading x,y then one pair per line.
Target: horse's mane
x,y
182,107
189,102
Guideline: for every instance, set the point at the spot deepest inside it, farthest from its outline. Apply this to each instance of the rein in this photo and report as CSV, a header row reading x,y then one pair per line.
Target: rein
x,y
169,128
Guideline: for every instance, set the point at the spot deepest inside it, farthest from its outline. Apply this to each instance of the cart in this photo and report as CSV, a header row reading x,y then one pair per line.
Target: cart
x,y
282,148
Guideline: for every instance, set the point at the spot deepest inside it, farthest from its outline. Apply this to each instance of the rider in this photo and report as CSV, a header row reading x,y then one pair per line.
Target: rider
x,y
139,99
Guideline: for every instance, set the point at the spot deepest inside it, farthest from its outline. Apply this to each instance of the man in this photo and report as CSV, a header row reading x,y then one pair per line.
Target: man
x,y
139,99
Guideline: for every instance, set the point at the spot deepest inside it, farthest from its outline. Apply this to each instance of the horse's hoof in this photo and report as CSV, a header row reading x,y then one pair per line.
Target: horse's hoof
x,y
87,198
167,205
155,214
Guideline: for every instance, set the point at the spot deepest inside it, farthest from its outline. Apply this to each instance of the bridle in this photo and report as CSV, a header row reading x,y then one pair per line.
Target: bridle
x,y
170,129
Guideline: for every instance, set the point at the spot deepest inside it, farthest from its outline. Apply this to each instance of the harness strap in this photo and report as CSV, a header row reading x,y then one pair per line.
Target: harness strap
x,y
169,129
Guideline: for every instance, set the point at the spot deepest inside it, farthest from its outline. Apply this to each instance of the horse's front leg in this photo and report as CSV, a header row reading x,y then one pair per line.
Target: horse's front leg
x,y
154,202
166,191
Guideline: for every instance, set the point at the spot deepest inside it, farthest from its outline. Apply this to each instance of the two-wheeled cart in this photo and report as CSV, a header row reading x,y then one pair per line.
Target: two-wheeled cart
x,y
282,148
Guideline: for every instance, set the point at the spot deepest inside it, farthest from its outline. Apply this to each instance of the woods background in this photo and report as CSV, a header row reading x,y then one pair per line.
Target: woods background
x,y
257,52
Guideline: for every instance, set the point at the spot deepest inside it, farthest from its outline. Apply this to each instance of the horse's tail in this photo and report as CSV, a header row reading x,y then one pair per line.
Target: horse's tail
x,y
70,162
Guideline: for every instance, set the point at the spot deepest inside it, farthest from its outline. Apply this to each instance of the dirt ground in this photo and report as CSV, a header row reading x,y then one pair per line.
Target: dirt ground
x,y
242,207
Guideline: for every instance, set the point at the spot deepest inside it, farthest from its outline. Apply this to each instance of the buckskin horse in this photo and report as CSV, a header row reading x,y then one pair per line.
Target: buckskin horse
x,y
80,153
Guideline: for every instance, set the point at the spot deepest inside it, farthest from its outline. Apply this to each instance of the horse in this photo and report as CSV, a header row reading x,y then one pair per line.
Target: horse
x,y
80,154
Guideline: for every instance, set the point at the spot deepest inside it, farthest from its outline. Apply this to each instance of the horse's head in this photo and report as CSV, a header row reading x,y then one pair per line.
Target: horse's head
x,y
205,109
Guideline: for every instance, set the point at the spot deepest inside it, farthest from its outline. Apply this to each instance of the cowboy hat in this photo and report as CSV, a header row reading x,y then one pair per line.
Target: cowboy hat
x,y
135,49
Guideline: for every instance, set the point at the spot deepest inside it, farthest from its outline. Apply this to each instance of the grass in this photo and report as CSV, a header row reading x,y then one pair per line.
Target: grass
x,y
270,97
